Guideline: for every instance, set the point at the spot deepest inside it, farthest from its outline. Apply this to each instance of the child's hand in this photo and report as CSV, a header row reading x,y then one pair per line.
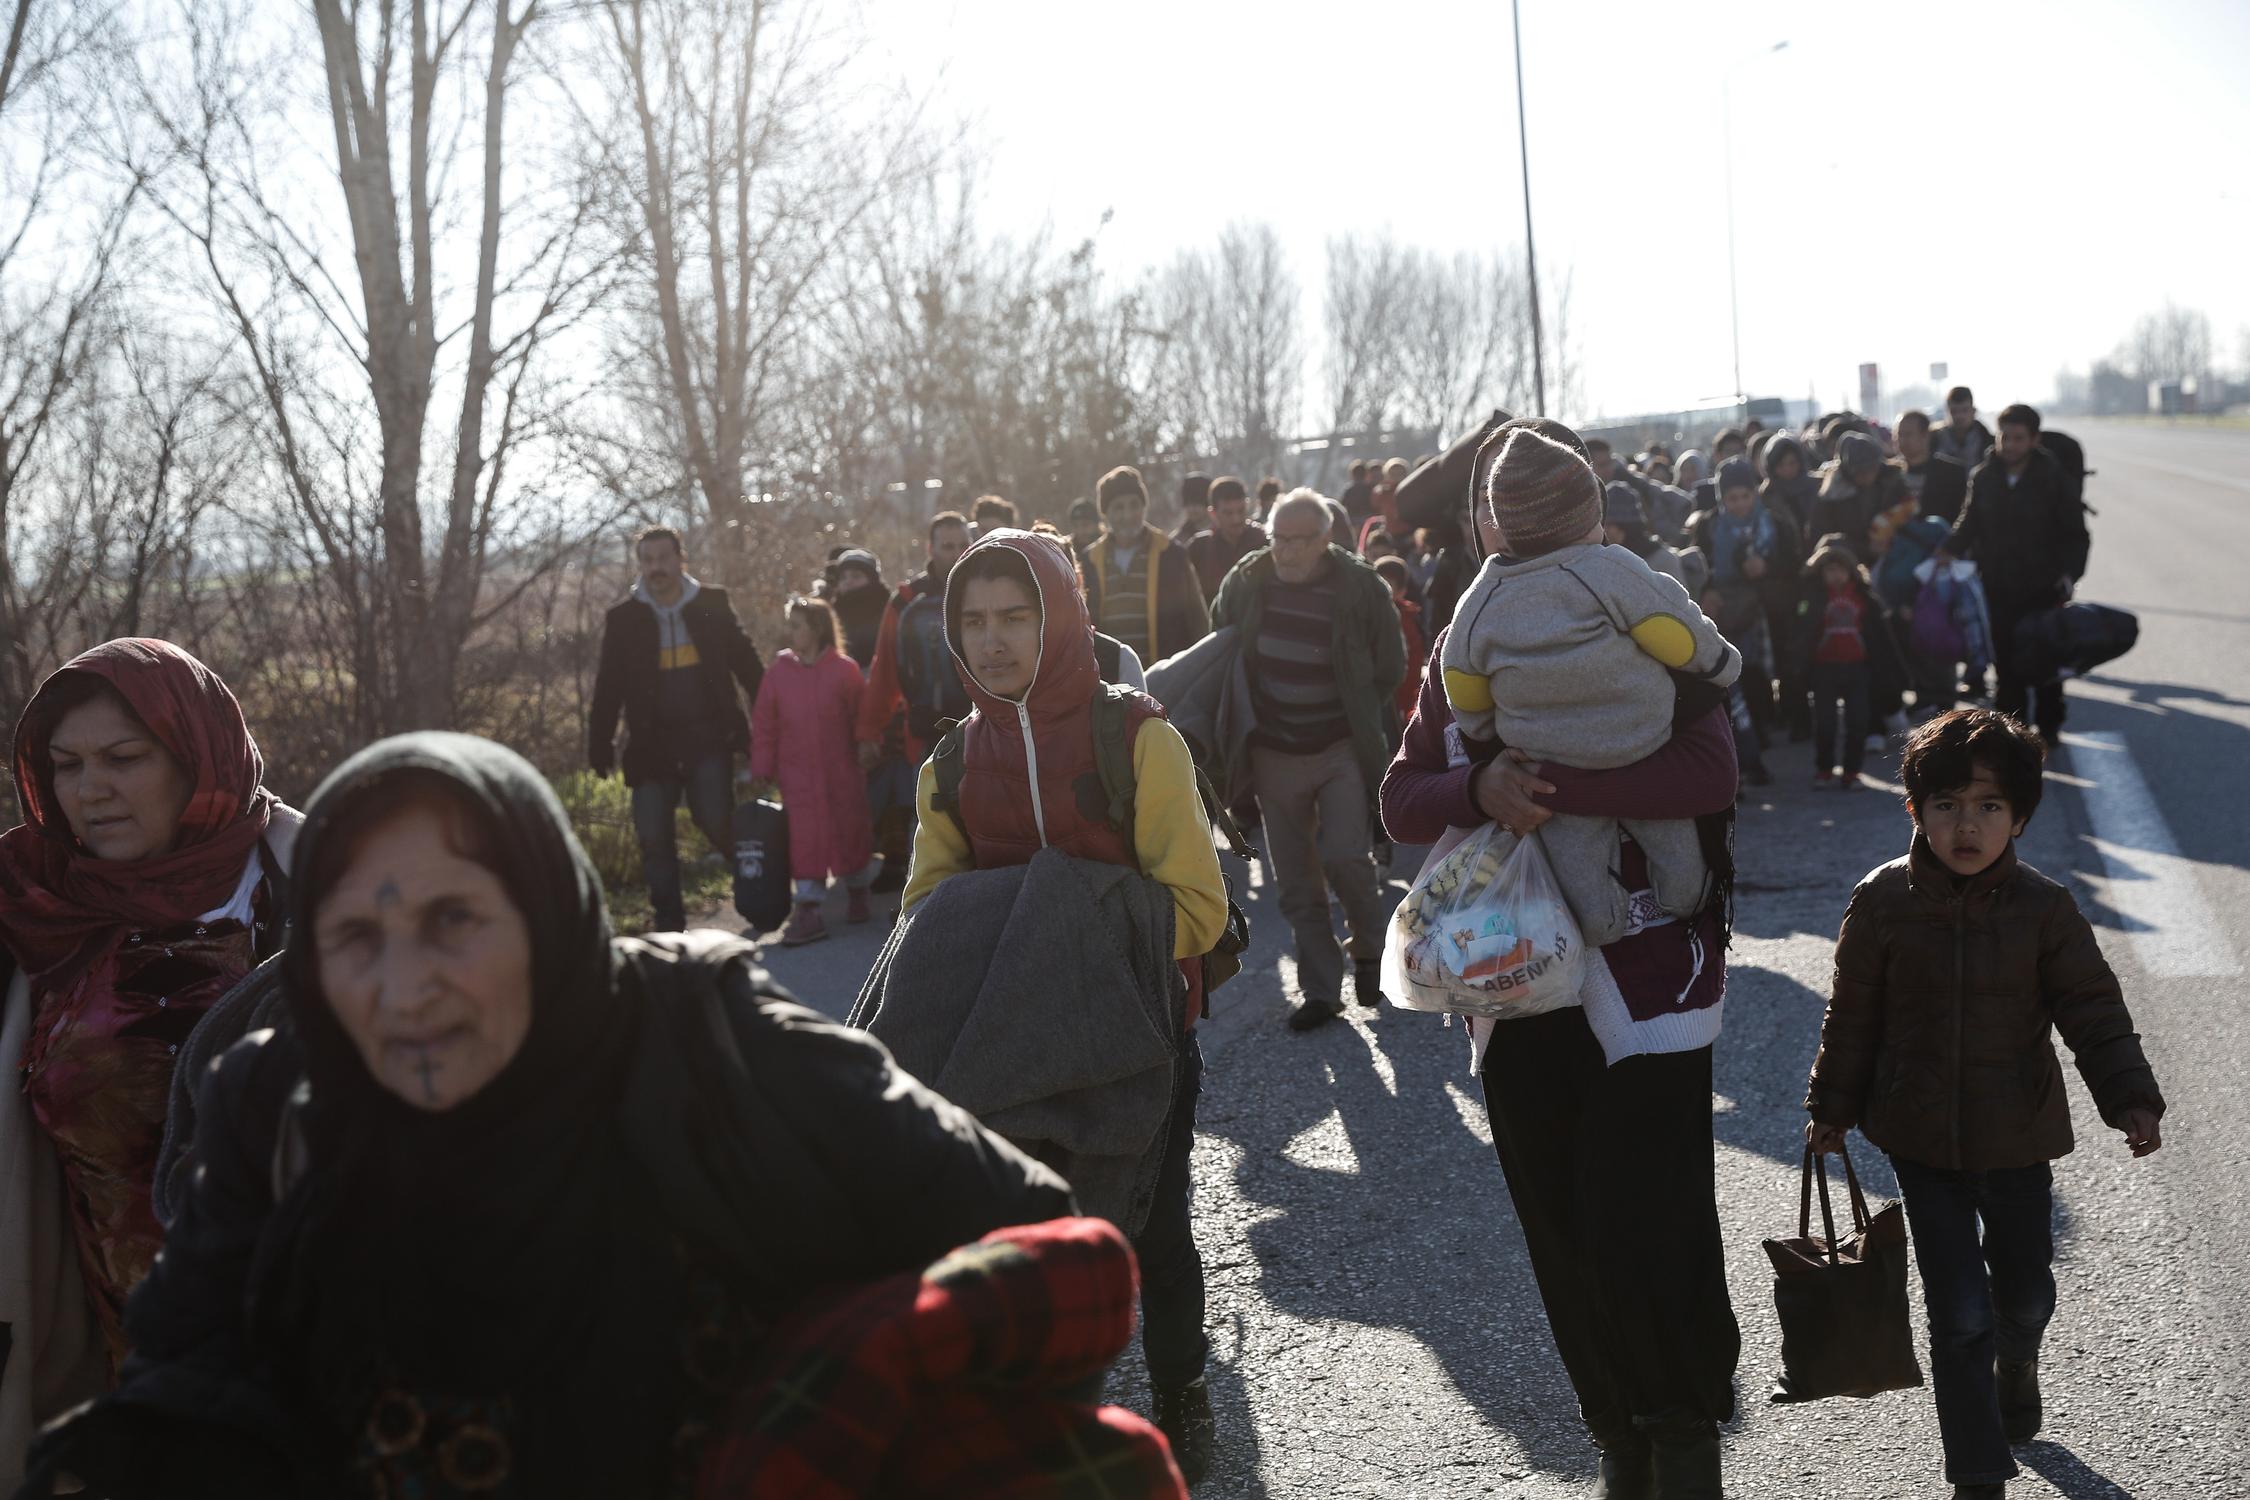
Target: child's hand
x,y
1826,1140
2141,1132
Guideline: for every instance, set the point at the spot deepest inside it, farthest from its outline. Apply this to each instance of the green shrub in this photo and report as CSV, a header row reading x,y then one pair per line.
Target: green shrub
x,y
600,809
601,814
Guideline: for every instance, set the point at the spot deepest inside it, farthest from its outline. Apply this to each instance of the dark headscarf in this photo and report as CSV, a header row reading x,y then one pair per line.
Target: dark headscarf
x,y
859,612
62,907
501,1247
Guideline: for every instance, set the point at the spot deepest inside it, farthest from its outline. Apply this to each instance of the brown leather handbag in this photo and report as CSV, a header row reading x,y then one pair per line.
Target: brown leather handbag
x,y
1844,1325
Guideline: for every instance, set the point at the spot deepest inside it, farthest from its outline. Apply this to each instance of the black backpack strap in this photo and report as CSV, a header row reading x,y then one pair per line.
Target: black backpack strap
x,y
1113,755
1113,759
1221,819
948,764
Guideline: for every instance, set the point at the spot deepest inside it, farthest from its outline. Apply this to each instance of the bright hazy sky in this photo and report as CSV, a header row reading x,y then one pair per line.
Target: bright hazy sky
x,y
2004,186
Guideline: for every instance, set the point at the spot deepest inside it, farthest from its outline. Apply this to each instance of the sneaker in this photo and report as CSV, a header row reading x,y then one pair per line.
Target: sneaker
x,y
1311,1013
804,926
1823,778
2021,1412
855,909
1367,984
1183,1415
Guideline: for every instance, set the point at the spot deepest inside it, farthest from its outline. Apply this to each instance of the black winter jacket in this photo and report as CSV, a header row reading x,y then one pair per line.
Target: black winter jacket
x,y
627,680
1945,487
788,1148
1938,1038
2025,539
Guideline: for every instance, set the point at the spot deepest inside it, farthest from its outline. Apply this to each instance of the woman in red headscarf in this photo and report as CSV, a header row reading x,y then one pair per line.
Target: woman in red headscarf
x,y
141,885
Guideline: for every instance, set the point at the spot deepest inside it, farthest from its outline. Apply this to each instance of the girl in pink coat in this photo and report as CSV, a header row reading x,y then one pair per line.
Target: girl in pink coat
x,y
803,738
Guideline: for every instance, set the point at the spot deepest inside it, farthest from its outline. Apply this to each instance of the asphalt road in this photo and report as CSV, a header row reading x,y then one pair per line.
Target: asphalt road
x,y
1376,1329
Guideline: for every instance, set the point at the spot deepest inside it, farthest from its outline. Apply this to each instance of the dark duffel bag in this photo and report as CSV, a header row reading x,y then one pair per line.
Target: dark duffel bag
x,y
762,888
1844,1325
2073,639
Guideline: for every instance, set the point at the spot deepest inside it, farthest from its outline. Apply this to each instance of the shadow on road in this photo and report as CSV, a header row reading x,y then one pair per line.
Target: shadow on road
x,y
1381,1204
2069,1474
2181,749
1761,1062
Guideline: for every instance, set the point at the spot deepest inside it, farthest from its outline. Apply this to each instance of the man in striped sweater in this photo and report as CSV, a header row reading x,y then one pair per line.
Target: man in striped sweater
x,y
1324,655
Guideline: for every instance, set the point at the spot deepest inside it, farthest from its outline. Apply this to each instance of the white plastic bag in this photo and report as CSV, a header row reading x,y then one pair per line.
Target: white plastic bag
x,y
1485,932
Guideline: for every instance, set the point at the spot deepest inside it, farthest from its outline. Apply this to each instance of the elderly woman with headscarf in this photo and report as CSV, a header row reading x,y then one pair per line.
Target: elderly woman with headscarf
x,y
142,884
509,1207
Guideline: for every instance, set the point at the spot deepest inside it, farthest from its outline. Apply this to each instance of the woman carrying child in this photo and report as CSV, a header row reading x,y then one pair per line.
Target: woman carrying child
x,y
1601,1113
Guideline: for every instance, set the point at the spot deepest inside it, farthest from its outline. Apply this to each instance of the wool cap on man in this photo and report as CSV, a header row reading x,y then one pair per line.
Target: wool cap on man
x,y
1122,480
1737,474
1621,506
1543,494
1858,452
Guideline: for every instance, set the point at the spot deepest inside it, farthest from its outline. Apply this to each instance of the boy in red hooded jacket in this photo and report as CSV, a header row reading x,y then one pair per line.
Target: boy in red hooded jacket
x,y
1019,629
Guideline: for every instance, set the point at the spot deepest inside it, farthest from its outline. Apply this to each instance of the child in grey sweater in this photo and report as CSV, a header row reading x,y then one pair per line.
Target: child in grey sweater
x,y
1564,648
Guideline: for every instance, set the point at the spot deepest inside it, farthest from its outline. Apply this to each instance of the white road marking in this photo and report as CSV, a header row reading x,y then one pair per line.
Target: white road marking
x,y
2150,883
2207,476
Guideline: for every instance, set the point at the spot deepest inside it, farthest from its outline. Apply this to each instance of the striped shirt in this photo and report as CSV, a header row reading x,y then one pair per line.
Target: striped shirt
x,y
1125,613
1292,671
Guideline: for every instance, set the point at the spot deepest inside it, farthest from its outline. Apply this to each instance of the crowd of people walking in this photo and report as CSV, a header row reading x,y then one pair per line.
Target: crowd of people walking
x,y
355,1153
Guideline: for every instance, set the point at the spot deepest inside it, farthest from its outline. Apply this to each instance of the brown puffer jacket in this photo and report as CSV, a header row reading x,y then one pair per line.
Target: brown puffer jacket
x,y
1937,1042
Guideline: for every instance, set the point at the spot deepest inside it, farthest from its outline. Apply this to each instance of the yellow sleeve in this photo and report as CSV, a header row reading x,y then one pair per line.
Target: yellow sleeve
x,y
1664,638
940,847
1471,692
1171,838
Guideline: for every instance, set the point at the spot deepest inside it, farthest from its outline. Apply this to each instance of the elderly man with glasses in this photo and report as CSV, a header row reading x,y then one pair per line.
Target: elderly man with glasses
x,y
1321,643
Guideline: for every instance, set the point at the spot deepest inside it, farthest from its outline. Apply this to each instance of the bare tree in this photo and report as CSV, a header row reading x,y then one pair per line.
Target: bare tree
x,y
2173,343
1461,334
1227,370
396,403
1360,315
1257,345
738,185
61,246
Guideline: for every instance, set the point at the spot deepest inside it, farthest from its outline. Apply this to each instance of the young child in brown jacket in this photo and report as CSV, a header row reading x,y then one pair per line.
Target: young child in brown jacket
x,y
1954,966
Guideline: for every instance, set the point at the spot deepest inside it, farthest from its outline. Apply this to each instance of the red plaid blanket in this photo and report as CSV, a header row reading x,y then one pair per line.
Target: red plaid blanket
x,y
953,1382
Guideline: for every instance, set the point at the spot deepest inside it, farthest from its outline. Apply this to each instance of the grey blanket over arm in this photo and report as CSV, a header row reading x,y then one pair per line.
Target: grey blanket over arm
x,y
1041,999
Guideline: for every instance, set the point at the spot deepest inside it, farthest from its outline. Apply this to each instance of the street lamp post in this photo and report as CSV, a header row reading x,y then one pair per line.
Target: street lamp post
x,y
1726,112
1530,255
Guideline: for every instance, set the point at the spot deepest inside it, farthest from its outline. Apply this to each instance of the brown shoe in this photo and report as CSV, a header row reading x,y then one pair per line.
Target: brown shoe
x,y
805,926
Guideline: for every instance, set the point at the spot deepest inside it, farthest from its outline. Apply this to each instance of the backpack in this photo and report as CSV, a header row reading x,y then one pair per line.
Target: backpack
x,y
1911,545
1936,631
2069,456
1113,763
926,672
